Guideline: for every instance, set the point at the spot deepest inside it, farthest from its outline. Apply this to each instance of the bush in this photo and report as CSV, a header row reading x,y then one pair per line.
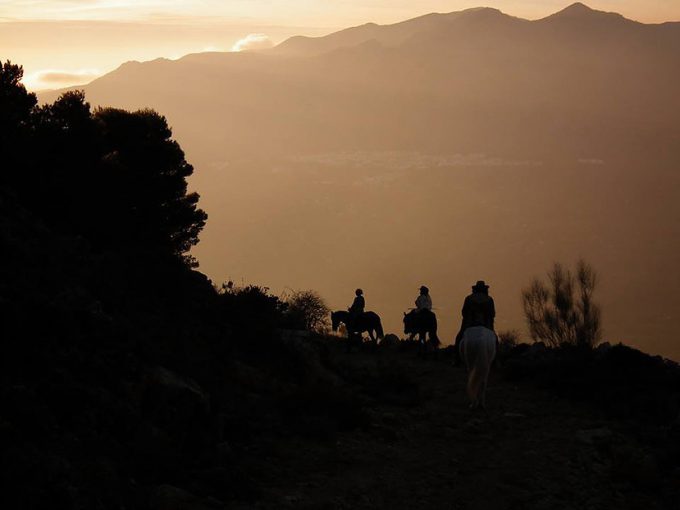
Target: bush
x,y
508,339
307,310
251,307
507,342
563,312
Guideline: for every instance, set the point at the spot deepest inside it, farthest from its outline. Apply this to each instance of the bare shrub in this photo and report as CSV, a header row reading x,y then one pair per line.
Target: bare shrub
x,y
562,311
508,339
308,309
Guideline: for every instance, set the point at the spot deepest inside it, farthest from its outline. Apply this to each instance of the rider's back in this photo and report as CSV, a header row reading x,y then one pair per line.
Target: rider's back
x,y
479,310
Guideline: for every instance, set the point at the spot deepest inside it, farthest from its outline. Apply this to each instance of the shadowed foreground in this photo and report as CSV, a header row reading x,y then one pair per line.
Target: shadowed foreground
x,y
421,447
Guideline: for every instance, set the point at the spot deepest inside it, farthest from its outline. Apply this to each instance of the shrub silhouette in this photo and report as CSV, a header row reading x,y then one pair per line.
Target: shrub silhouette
x,y
563,312
307,310
16,105
251,306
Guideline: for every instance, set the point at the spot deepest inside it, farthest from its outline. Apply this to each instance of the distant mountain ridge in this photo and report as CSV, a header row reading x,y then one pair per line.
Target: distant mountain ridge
x,y
399,33
579,63
589,98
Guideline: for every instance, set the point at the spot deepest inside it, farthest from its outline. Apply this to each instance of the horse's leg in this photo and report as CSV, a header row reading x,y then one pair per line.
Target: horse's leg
x,y
374,338
490,357
482,393
422,346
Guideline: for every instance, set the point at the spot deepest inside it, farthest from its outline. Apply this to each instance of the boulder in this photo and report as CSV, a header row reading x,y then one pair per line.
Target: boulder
x,y
390,340
168,497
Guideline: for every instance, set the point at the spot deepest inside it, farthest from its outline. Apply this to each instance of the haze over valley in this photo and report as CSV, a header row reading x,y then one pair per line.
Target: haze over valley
x,y
441,150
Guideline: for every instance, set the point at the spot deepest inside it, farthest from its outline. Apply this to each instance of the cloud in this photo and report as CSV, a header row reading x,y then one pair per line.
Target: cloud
x,y
55,78
405,160
63,77
591,161
253,42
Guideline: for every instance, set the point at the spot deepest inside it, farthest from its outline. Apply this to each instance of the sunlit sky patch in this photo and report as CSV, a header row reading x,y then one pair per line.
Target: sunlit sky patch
x,y
328,13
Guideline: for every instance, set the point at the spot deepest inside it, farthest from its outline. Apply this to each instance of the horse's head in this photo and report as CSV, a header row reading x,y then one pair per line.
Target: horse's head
x,y
408,322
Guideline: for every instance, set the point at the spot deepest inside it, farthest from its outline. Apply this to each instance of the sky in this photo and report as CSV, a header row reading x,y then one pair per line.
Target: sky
x,y
68,42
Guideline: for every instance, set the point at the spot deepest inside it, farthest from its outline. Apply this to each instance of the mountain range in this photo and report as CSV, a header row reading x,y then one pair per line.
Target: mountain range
x,y
440,150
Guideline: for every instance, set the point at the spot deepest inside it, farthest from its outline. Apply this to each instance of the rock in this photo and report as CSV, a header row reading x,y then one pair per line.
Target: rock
x,y
288,334
224,451
165,388
306,358
178,407
593,436
390,340
535,351
602,349
167,497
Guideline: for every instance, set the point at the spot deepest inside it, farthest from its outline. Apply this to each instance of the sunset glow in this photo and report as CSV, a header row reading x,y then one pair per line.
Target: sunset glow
x,y
294,12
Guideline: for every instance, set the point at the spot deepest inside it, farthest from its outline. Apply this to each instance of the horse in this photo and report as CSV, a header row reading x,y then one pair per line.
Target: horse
x,y
423,324
367,321
478,349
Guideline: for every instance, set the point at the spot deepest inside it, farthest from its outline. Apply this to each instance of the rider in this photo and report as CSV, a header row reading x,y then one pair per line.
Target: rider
x,y
424,317
478,310
358,305
424,301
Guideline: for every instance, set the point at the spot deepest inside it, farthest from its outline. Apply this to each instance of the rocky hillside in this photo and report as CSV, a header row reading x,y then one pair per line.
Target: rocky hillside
x,y
121,391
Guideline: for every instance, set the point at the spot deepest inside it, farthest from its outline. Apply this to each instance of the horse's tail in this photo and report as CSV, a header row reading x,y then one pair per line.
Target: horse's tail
x,y
433,330
478,374
379,329
478,349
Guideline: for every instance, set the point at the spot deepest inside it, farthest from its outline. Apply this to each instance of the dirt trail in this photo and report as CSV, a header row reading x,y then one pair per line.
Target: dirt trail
x,y
529,451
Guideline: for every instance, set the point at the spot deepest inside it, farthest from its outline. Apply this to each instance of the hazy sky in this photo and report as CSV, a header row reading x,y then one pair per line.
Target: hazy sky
x,y
315,12
65,42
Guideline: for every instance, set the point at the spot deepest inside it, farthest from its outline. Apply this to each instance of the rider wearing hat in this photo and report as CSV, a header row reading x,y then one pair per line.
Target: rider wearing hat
x,y
478,310
424,301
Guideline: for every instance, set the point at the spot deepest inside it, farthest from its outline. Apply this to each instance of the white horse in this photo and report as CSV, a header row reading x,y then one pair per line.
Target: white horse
x,y
477,350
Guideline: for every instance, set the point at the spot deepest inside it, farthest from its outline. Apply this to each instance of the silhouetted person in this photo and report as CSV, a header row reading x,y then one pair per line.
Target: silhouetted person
x,y
424,301
478,310
358,305
357,308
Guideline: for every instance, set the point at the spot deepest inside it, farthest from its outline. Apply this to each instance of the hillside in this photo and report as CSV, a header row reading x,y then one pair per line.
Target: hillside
x,y
443,149
421,447
155,401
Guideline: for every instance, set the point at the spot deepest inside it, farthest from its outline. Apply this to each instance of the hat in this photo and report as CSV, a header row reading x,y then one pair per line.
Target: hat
x,y
424,289
480,285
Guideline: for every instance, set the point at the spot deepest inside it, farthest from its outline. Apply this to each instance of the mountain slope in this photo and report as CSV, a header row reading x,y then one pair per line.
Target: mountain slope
x,y
491,82
387,35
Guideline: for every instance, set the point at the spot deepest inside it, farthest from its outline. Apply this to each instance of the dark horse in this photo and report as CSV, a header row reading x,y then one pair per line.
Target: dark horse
x,y
367,321
423,324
